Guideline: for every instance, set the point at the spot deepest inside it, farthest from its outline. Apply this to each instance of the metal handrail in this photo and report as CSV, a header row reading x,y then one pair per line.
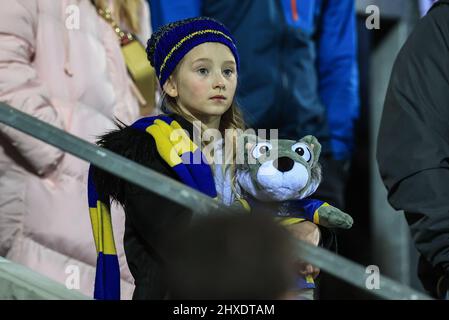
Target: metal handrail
x,y
20,282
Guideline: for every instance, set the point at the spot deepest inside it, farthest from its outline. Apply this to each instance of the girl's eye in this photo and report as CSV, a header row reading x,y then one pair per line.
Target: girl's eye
x,y
303,151
261,148
228,72
203,71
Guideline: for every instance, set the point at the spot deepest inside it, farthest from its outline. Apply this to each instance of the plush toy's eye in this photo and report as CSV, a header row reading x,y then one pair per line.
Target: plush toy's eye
x,y
303,150
261,149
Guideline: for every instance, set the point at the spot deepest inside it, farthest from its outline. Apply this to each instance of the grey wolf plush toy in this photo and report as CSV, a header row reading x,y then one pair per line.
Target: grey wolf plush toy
x,y
276,177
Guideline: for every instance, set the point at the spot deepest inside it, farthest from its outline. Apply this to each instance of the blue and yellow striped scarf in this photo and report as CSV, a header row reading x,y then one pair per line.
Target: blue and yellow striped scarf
x,y
186,160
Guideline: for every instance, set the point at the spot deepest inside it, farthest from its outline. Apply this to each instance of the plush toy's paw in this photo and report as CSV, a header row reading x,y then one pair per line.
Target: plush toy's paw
x,y
332,217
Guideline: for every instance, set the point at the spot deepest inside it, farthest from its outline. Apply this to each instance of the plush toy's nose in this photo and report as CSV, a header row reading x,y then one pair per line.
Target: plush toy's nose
x,y
283,164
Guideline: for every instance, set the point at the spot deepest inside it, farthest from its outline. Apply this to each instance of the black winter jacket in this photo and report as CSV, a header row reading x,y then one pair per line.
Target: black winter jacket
x,y
413,142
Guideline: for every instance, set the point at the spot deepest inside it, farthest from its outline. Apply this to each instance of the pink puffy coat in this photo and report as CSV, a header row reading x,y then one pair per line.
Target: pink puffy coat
x,y
75,79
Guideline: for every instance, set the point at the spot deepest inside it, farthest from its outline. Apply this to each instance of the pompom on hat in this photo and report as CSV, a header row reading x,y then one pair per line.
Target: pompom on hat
x,y
171,42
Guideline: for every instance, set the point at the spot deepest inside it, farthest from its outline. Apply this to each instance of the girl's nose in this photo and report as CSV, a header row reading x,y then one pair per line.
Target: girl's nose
x,y
219,82
220,85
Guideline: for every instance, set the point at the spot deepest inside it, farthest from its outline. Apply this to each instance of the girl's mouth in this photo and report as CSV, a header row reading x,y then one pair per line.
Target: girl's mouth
x,y
219,98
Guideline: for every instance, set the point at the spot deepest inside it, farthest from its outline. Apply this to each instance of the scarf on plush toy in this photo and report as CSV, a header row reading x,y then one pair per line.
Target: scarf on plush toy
x,y
186,160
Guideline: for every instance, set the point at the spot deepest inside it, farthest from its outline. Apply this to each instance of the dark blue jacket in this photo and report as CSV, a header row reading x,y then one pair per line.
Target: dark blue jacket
x,y
298,63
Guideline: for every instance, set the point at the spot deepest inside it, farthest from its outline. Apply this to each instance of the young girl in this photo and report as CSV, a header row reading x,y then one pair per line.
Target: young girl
x,y
196,62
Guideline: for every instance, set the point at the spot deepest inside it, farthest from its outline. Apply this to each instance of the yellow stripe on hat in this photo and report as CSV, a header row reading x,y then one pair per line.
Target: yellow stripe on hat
x,y
179,44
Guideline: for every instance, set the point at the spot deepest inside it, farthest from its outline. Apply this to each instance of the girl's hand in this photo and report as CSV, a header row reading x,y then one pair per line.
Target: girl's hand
x,y
308,232
306,269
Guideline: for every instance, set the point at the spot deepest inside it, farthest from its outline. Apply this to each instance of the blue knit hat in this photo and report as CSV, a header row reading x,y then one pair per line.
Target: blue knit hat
x,y
171,42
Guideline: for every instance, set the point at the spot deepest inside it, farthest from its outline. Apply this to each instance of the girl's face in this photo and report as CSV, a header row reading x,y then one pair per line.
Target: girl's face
x,y
205,82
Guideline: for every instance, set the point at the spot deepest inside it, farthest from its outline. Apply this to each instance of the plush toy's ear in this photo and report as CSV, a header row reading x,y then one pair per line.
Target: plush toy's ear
x,y
315,146
245,143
